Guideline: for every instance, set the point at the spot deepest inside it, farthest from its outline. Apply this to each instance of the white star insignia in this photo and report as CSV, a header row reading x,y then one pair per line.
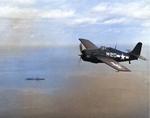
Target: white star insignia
x,y
122,57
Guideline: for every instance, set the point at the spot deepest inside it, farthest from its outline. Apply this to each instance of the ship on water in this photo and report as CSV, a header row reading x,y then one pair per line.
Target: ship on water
x,y
37,78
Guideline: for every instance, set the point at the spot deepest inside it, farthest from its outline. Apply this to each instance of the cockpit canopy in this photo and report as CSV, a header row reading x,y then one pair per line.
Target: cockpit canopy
x,y
103,48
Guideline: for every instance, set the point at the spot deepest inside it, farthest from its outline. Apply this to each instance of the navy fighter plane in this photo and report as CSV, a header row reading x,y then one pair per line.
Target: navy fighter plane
x,y
110,56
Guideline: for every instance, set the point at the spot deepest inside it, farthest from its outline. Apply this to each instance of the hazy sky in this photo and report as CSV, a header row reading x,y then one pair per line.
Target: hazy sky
x,y
71,90
62,22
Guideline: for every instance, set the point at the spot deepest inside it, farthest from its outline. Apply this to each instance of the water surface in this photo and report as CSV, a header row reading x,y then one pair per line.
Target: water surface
x,y
70,90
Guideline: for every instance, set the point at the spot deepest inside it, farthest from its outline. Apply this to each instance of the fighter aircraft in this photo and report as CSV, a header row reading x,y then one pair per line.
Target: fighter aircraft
x,y
110,56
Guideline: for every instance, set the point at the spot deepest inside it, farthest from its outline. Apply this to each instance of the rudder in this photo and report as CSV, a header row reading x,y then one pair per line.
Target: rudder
x,y
137,49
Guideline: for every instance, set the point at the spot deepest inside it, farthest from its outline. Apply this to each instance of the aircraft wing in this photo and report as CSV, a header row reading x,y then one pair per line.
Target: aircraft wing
x,y
88,44
114,64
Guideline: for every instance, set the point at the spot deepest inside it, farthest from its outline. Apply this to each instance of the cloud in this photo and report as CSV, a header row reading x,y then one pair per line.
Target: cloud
x,y
109,13
23,2
16,12
117,21
27,13
146,23
123,13
133,9
99,8
84,20
56,13
105,17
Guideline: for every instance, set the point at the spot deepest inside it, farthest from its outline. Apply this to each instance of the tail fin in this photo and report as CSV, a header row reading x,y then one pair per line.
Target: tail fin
x,y
137,49
135,53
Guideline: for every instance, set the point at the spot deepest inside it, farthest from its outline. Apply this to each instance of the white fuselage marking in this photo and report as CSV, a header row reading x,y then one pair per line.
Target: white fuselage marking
x,y
116,65
114,55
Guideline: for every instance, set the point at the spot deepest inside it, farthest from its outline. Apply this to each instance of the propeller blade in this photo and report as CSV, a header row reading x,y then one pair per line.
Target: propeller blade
x,y
80,47
79,61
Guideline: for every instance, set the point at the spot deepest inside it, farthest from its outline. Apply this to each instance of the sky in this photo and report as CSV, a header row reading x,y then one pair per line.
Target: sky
x,y
72,89
55,22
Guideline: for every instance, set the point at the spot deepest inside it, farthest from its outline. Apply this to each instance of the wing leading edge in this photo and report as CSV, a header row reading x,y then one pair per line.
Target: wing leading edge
x,y
88,44
114,64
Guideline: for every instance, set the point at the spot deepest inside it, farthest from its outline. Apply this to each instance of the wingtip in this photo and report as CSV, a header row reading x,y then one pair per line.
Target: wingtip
x,y
82,39
125,71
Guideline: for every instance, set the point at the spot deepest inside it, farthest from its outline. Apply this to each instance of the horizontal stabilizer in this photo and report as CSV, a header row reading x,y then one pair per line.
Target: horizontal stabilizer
x,y
139,56
143,58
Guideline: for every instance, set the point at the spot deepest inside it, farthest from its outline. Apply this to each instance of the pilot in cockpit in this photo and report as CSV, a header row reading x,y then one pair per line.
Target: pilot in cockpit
x,y
103,48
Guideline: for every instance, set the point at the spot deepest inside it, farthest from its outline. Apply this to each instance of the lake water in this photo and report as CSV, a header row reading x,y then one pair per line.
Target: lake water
x,y
70,90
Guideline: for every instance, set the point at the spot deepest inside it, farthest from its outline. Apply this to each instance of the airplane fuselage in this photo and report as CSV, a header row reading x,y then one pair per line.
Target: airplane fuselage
x,y
91,55
110,56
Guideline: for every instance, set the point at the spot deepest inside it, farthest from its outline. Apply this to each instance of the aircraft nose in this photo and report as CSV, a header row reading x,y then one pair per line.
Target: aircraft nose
x,y
80,54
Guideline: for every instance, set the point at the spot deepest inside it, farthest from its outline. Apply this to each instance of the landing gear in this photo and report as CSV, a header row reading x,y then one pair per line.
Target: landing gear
x,y
129,62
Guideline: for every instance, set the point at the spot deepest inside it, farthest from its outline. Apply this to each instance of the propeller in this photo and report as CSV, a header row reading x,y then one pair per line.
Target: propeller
x,y
79,61
80,47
